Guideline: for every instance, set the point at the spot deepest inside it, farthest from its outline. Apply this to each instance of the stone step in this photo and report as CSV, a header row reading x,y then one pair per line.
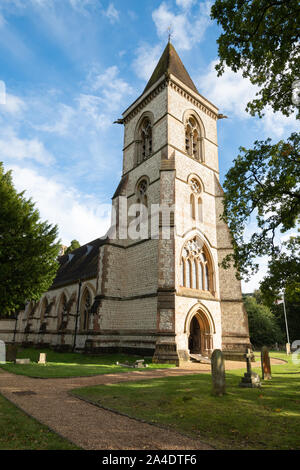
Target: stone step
x,y
199,358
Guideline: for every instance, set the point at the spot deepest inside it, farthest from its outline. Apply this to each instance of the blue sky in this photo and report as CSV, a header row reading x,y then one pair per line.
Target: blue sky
x,y
71,67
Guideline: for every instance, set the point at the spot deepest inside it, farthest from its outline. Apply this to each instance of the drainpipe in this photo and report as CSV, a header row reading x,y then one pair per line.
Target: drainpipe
x,y
77,313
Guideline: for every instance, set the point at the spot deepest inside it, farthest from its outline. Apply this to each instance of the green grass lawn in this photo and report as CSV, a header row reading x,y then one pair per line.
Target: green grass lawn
x,y
20,432
266,418
72,364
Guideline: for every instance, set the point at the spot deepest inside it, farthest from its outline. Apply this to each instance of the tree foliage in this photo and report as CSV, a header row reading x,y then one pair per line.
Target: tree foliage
x,y
263,183
73,246
263,327
284,274
261,38
28,250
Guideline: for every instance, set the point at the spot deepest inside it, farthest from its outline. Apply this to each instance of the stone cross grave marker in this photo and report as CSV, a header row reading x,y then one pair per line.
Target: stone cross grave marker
x,y
2,352
218,372
250,379
265,364
42,359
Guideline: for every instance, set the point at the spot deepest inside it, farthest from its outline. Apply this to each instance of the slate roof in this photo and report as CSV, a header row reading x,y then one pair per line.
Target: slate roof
x,y
170,62
82,264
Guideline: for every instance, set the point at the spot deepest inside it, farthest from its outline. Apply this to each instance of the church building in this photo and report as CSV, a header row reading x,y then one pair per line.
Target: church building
x,y
160,293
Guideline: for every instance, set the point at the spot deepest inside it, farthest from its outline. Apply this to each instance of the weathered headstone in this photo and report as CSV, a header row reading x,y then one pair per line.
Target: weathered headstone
x,y
11,352
250,379
23,361
265,364
218,372
2,352
43,358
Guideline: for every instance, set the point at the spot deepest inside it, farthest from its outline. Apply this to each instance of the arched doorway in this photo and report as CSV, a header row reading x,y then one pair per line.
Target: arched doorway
x,y
200,335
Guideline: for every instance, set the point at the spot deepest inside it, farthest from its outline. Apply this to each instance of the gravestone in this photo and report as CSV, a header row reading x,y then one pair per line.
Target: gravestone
x,y
11,352
22,361
218,372
2,352
250,379
42,359
265,364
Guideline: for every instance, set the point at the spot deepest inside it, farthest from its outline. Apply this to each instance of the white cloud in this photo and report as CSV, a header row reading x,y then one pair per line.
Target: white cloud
x,y
13,104
90,108
146,60
62,125
14,148
185,3
187,30
231,92
253,283
111,88
112,13
77,215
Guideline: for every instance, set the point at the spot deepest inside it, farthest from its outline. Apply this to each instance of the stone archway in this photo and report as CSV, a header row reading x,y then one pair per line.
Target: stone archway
x,y
200,335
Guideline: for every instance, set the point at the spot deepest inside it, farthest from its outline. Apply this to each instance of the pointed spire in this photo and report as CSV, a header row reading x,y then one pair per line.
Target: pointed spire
x,y
170,62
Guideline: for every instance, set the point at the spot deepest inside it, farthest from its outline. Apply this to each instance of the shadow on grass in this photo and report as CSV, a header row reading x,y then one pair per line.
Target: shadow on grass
x,y
266,418
61,365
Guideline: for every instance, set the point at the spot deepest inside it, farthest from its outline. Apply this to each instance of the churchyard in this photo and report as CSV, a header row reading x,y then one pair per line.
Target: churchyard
x,y
73,364
224,415
267,417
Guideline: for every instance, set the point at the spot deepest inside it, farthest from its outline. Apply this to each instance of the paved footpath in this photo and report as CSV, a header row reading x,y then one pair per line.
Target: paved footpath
x,y
91,427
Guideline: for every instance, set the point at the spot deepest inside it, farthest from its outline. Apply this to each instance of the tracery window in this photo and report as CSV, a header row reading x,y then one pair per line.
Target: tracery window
x,y
195,267
193,139
85,313
144,140
63,312
142,189
195,200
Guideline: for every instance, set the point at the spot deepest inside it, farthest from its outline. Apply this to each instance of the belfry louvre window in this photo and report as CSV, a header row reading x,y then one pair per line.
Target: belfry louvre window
x,y
195,269
193,139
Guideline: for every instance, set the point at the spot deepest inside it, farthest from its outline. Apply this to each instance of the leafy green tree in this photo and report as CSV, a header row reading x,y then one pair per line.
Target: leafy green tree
x,y
264,183
261,38
284,274
28,250
263,327
73,246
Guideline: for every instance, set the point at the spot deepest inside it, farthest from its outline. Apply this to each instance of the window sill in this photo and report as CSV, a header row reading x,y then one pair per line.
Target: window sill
x,y
196,293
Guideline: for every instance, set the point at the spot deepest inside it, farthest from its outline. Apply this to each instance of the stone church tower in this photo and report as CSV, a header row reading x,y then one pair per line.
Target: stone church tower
x,y
166,293
153,286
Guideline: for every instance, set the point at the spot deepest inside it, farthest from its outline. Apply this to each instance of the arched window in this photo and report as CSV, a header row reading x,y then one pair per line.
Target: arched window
x,y
195,200
62,312
196,270
144,140
85,310
194,139
142,189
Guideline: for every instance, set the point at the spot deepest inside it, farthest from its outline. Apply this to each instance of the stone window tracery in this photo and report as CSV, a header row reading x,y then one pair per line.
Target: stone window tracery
x,y
86,310
195,200
194,139
196,271
142,189
144,141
